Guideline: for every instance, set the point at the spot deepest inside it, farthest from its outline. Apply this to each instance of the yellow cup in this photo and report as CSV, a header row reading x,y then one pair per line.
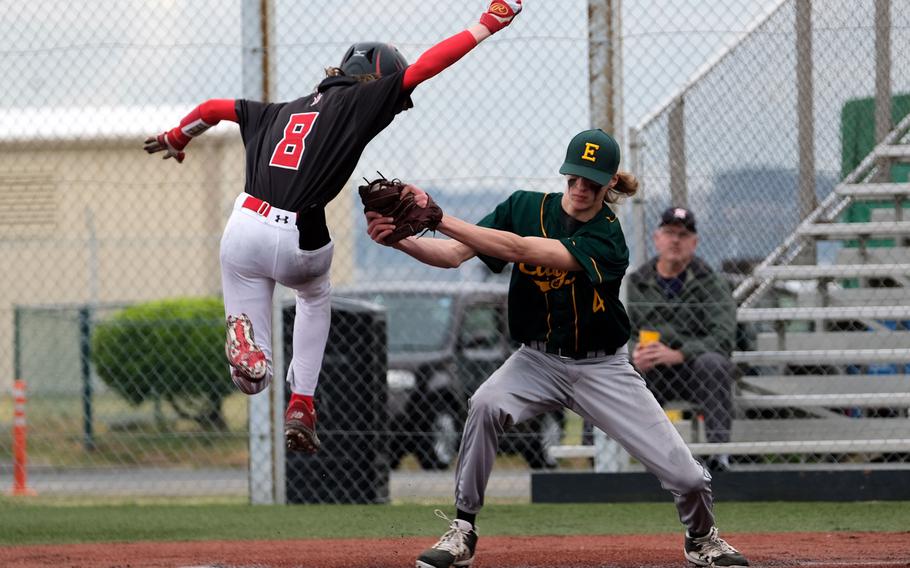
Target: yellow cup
x,y
647,336
675,415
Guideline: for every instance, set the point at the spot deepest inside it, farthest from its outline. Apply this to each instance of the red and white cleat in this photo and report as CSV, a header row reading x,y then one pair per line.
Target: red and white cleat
x,y
300,428
242,352
247,386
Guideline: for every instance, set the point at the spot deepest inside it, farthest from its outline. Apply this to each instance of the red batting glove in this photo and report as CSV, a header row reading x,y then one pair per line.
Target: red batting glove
x,y
163,142
500,14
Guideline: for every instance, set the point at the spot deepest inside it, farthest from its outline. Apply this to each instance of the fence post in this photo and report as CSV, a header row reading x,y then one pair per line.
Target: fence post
x,y
676,133
605,66
883,120
883,117
805,105
255,38
20,451
279,456
639,201
85,360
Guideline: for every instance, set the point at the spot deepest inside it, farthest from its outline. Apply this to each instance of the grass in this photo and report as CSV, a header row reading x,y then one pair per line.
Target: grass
x,y
29,522
127,435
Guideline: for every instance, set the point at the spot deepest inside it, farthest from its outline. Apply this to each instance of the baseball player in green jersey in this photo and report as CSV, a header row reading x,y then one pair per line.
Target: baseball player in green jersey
x,y
569,256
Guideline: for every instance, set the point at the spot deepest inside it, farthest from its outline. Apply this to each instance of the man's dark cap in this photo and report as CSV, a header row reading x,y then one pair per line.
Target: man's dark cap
x,y
678,216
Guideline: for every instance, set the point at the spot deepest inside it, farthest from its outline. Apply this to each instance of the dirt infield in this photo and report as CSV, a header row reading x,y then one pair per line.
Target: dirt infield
x,y
816,550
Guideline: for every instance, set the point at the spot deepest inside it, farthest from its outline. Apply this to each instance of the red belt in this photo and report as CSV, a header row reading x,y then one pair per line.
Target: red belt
x,y
257,205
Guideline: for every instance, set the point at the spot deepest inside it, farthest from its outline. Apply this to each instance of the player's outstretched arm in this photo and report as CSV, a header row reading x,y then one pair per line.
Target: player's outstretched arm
x,y
509,246
499,14
441,253
200,119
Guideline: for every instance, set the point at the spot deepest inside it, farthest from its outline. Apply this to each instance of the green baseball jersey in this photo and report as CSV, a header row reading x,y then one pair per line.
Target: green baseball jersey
x,y
573,311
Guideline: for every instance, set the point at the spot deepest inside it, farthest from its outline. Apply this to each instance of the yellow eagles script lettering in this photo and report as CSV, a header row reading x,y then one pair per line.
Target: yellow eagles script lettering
x,y
547,278
590,148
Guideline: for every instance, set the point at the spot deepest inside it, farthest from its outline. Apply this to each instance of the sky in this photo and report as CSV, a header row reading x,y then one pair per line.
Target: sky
x,y
141,52
497,120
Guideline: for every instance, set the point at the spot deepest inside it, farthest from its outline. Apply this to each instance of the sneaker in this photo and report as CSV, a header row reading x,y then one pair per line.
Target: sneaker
x,y
455,548
242,352
711,550
300,428
247,386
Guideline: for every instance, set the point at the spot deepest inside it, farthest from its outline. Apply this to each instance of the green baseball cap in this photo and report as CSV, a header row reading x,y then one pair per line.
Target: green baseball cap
x,y
593,155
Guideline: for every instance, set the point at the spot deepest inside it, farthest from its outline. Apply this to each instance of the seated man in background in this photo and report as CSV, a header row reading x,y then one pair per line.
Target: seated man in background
x,y
688,317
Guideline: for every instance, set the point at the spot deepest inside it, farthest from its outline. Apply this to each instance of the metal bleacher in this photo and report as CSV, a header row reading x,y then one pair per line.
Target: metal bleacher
x,y
828,374
829,368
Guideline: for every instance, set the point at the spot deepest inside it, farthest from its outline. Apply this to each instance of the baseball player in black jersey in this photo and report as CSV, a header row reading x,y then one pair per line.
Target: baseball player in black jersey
x,y
569,256
299,156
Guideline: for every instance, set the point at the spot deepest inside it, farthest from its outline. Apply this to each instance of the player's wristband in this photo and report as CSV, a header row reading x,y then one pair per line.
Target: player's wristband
x,y
180,136
175,139
194,128
491,23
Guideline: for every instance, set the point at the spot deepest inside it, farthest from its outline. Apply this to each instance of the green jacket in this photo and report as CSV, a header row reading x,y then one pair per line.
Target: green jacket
x,y
701,319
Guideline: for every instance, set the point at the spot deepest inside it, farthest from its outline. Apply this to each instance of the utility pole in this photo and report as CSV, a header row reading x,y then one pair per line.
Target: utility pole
x,y
605,66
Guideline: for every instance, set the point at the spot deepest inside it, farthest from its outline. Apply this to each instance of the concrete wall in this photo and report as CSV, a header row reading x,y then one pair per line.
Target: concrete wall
x,y
102,221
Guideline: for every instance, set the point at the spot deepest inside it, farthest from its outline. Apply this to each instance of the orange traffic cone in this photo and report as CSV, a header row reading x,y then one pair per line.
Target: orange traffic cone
x,y
20,452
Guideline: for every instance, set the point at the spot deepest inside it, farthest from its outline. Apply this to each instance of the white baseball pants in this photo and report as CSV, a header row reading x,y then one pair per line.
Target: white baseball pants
x,y
259,247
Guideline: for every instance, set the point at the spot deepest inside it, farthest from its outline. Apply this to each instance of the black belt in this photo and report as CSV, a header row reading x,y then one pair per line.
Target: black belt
x,y
566,354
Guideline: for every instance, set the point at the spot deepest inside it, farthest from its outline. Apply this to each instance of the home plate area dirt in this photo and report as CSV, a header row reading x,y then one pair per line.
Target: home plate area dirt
x,y
816,550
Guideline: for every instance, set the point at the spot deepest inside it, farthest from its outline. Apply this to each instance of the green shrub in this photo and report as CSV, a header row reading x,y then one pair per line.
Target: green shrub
x,y
168,351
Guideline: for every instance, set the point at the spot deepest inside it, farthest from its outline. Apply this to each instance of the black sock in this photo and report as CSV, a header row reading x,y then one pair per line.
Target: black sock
x,y
466,516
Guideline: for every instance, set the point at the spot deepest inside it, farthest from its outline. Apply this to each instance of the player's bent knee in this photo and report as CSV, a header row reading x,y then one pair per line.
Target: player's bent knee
x,y
487,396
487,404
481,404
693,479
316,289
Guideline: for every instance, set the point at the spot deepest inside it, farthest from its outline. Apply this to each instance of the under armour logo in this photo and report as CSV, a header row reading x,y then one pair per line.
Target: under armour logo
x,y
283,219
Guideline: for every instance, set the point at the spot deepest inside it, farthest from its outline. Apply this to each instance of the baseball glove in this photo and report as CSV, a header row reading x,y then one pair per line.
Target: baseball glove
x,y
384,196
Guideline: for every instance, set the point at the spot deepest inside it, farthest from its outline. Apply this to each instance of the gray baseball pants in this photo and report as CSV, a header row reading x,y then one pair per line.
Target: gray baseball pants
x,y
606,391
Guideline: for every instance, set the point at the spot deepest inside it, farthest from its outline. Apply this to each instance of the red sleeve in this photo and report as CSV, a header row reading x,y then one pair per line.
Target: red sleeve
x,y
200,119
437,58
213,111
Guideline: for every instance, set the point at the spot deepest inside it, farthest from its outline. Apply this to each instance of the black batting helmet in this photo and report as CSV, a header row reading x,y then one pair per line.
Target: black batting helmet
x,y
372,57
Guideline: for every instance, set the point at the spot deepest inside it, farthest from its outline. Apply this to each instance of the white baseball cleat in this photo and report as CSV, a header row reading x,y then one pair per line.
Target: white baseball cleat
x,y
711,550
455,548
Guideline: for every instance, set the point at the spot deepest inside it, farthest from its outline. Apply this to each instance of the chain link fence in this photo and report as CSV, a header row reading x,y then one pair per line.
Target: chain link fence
x,y
777,146
111,313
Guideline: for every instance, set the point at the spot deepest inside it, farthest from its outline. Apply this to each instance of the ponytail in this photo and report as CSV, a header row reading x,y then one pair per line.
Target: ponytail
x,y
337,72
626,186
